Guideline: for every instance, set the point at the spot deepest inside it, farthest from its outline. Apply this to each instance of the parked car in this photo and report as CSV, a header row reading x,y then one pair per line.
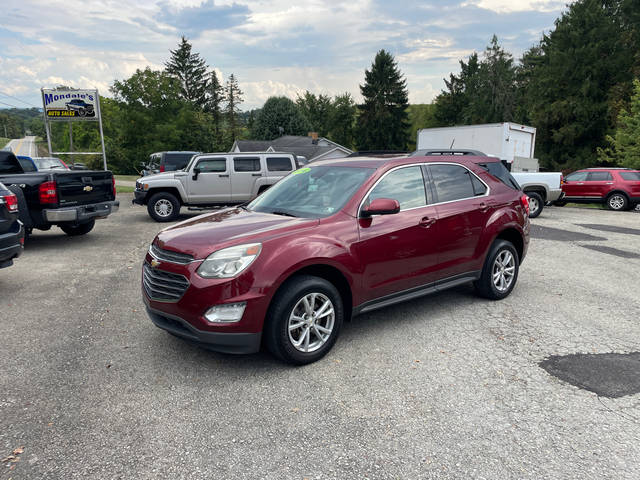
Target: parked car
x,y
83,108
212,179
11,230
332,240
170,161
71,200
49,163
617,188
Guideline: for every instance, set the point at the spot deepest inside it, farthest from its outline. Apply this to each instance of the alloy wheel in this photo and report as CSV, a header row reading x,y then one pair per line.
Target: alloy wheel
x,y
503,271
163,207
616,202
311,322
533,205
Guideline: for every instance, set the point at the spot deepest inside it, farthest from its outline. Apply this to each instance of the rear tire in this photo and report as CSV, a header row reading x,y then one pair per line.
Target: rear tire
x,y
617,202
163,207
536,204
80,229
304,320
500,272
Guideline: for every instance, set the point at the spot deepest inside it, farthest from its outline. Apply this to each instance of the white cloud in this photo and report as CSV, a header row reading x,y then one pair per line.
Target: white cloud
x,y
511,6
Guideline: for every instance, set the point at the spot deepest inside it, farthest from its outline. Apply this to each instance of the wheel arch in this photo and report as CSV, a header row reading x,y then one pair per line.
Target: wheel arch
x,y
172,190
513,236
539,189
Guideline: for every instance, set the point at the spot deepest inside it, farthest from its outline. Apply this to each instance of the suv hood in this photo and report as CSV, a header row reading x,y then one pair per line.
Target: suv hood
x,y
207,233
161,176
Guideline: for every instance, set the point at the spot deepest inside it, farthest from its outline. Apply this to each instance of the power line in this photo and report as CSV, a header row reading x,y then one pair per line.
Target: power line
x,y
9,105
16,98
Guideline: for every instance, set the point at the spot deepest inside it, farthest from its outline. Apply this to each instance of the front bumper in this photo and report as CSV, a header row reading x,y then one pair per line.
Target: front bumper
x,y
220,342
11,245
81,213
139,197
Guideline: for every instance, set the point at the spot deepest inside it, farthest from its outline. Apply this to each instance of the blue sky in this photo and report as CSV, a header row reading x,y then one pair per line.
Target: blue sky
x,y
274,47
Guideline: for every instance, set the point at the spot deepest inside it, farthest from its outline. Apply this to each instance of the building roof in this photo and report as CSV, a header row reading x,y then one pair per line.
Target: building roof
x,y
299,145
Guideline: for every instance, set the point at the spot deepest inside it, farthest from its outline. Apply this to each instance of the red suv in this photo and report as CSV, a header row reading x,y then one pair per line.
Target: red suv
x,y
619,188
333,240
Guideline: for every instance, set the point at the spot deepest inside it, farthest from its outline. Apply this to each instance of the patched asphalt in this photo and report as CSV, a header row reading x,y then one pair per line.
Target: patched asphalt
x,y
448,386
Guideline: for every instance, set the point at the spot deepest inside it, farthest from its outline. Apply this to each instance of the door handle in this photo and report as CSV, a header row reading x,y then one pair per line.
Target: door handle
x,y
426,222
256,174
580,183
225,176
482,206
609,183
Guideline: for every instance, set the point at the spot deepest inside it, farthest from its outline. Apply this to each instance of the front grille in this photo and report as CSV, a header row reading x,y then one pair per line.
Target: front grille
x,y
169,256
161,285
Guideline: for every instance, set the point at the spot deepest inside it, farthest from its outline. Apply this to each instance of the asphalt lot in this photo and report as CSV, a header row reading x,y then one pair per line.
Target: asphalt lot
x,y
447,386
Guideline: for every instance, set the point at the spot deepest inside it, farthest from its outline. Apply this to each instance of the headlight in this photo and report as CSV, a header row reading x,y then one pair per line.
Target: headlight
x,y
229,262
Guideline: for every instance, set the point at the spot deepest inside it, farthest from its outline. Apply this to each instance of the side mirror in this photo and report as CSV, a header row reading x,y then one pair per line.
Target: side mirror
x,y
196,172
381,206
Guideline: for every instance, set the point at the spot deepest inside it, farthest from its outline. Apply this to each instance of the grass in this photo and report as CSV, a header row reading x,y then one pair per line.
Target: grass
x,y
597,206
121,189
4,141
128,178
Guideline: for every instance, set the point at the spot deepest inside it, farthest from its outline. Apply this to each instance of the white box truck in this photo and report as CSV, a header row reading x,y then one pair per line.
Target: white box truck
x,y
507,141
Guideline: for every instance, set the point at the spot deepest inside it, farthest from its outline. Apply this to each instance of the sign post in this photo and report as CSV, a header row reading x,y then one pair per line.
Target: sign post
x,y
69,105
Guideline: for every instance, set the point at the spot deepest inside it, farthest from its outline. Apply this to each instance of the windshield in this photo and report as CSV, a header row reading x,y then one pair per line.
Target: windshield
x,y
48,163
312,192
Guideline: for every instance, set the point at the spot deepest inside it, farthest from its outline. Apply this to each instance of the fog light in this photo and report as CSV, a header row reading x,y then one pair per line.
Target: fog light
x,y
228,313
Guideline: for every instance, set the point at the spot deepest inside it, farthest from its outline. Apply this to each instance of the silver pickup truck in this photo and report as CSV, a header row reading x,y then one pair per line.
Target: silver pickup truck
x,y
541,187
212,179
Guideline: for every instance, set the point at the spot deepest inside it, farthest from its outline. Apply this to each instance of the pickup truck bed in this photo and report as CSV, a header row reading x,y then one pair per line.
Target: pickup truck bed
x,y
71,200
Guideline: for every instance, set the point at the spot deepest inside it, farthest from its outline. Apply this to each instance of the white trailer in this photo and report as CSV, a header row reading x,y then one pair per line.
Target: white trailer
x,y
506,141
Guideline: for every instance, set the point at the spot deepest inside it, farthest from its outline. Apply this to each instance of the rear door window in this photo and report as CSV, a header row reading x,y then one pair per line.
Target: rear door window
x,y
279,164
599,177
453,182
246,164
406,185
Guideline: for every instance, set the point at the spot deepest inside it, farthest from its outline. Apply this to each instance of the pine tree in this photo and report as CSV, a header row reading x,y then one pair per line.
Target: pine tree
x,y
233,98
317,110
382,123
625,145
342,120
190,70
214,104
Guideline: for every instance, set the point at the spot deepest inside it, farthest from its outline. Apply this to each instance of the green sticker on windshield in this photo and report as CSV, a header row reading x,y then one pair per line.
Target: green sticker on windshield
x,y
301,170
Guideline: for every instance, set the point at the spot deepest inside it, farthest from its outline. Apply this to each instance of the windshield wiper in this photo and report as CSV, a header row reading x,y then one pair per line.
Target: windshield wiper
x,y
284,214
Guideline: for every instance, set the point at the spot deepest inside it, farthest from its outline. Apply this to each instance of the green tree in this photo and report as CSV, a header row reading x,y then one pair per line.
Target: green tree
x,y
625,144
452,105
214,104
233,98
317,110
342,120
190,70
279,116
575,88
382,123
420,116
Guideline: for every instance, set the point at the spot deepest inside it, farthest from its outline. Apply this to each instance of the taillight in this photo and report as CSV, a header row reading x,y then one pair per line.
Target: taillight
x,y
11,201
48,193
561,179
113,183
162,168
524,200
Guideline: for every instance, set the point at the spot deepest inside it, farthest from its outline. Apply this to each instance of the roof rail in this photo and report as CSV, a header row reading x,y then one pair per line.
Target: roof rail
x,y
434,152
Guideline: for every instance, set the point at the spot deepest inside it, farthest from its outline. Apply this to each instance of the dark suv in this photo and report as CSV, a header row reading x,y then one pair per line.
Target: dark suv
x,y
11,230
332,240
618,188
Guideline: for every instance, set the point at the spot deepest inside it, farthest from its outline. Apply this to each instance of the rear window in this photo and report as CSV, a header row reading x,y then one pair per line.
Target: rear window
x,y
630,175
498,170
27,165
599,176
279,164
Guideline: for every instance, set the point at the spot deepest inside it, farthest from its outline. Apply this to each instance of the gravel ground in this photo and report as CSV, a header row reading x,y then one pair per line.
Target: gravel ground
x,y
447,386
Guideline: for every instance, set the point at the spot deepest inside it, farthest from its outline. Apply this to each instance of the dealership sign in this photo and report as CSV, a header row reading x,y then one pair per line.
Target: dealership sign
x,y
70,104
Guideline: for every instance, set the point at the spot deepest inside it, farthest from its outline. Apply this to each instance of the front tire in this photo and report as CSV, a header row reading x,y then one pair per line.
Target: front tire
x,y
80,229
163,207
536,204
304,320
617,202
500,271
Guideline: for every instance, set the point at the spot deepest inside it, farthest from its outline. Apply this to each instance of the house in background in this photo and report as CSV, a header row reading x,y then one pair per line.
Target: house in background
x,y
311,147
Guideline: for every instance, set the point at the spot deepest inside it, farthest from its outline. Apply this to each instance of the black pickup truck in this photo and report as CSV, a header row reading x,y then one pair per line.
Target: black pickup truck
x,y
11,230
72,200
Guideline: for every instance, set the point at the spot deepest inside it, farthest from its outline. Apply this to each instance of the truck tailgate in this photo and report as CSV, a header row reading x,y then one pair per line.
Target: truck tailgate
x,y
84,187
